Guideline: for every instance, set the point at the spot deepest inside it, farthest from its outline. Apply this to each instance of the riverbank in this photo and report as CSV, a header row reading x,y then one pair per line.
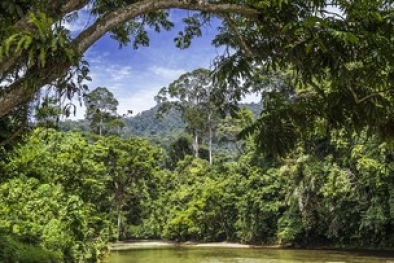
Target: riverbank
x,y
142,244
160,243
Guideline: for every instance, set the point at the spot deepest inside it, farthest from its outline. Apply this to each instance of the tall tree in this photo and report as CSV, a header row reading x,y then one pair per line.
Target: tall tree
x,y
47,112
127,162
101,107
191,95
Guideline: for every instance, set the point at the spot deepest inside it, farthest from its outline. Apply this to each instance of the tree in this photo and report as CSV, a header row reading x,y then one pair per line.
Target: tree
x,y
127,162
340,72
101,106
231,126
57,174
192,95
47,113
179,149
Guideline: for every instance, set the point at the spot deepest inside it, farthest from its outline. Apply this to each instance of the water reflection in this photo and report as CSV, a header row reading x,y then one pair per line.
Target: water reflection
x,y
222,255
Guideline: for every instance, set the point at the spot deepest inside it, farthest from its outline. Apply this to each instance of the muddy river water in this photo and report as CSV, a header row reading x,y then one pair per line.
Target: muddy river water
x,y
244,255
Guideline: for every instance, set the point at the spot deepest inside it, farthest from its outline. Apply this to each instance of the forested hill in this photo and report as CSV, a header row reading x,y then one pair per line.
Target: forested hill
x,y
146,123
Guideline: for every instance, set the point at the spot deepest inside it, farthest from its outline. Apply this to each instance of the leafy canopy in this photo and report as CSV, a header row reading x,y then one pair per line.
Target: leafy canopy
x,y
339,51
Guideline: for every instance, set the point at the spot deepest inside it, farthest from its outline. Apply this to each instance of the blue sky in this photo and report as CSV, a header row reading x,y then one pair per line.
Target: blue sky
x,y
136,76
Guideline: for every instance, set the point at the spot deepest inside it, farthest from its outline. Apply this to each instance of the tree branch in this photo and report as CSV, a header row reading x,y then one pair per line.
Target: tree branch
x,y
244,46
113,19
367,97
13,136
17,94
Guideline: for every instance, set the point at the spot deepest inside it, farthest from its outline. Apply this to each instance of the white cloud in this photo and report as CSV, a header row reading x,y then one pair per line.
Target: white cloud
x,y
135,90
166,73
116,73
133,85
74,26
96,58
138,102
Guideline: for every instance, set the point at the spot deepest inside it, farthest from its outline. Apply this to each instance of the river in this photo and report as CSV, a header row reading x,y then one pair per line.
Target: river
x,y
244,255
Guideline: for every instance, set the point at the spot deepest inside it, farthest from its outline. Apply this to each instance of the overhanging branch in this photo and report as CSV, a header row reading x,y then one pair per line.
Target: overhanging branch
x,y
17,93
115,18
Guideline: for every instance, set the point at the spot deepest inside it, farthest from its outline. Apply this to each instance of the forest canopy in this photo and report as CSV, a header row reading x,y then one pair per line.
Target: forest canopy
x,y
338,51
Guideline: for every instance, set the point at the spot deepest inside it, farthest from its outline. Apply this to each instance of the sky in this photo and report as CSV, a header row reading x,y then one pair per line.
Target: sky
x,y
136,76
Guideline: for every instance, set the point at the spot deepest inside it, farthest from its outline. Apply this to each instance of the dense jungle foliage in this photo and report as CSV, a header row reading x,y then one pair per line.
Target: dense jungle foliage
x,y
65,195
315,167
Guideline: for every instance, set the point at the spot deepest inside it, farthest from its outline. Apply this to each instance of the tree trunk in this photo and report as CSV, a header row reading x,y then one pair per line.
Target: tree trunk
x,y
12,99
119,223
210,138
100,126
195,144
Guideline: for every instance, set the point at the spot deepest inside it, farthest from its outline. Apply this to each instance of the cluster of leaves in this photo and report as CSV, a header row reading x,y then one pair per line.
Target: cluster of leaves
x,y
338,51
52,195
101,111
43,37
60,191
12,250
344,198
